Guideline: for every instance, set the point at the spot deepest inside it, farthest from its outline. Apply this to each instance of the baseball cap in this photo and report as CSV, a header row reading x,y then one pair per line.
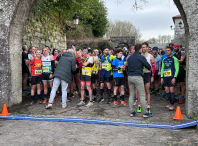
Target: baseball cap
x,y
72,44
155,48
125,49
176,45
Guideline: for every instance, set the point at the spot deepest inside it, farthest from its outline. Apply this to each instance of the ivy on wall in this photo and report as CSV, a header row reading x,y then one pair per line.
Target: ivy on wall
x,y
48,16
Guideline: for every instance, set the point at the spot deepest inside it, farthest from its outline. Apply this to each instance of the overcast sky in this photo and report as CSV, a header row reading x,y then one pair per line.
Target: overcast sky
x,y
154,19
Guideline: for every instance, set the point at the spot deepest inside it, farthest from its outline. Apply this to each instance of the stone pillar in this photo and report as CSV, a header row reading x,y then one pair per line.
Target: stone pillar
x,y
13,15
189,13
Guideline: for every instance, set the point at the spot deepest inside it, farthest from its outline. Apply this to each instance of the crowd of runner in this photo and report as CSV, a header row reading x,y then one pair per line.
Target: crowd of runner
x,y
137,73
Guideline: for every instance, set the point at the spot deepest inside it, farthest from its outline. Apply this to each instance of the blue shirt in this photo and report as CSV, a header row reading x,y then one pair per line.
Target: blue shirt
x,y
118,63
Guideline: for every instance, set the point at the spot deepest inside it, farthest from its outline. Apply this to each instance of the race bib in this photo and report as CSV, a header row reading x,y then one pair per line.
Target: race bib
x,y
167,73
45,69
105,65
120,71
38,71
145,68
83,71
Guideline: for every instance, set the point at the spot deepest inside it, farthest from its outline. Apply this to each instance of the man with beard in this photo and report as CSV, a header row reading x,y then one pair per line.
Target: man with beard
x,y
181,57
105,74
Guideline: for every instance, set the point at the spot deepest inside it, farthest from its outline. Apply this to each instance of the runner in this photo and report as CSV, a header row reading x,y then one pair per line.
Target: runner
x,y
35,69
32,53
118,65
169,72
181,76
85,77
48,70
105,74
157,60
55,53
94,74
148,79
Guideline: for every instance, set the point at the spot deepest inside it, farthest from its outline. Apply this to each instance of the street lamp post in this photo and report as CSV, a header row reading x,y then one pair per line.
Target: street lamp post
x,y
70,28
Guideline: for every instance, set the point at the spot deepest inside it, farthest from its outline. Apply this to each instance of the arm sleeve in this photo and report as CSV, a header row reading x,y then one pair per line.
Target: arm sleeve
x,y
162,69
53,65
153,67
176,63
145,63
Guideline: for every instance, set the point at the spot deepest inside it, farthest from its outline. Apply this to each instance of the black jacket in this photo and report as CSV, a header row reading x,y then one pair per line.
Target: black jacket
x,y
136,62
65,67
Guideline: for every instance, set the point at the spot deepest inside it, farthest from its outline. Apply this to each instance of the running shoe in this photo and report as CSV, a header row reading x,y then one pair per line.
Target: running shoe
x,y
148,109
32,102
45,100
181,101
108,101
69,100
147,115
139,110
49,106
152,92
163,95
168,106
123,102
81,103
95,99
64,107
172,107
100,100
136,102
39,101
176,100
56,95
133,114
115,102
89,104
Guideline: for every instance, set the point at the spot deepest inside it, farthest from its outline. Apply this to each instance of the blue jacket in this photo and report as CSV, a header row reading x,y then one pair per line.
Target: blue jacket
x,y
136,63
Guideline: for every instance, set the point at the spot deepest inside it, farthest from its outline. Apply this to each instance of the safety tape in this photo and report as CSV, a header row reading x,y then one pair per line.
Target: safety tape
x,y
106,122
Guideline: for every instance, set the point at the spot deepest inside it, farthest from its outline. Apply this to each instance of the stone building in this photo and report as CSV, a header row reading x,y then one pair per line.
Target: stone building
x,y
179,31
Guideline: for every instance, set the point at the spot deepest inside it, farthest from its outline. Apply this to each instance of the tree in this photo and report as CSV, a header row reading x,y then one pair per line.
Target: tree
x,y
92,14
122,28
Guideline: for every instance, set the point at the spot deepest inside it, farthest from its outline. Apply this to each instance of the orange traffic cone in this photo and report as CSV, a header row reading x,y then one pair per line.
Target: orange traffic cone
x,y
178,115
5,110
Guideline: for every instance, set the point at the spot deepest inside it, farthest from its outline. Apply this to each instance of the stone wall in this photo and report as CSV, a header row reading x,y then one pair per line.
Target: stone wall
x,y
189,13
34,36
